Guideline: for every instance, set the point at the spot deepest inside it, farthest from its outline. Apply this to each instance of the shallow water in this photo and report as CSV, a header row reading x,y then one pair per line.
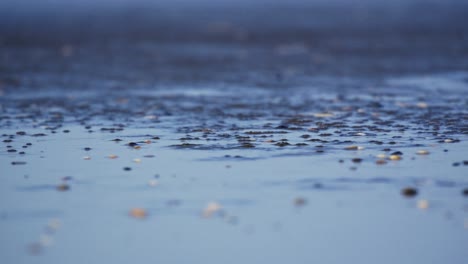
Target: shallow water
x,y
221,145
241,142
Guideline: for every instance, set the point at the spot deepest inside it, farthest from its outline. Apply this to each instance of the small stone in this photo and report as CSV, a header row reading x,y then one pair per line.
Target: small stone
x,y
137,160
67,178
138,213
112,156
54,224
423,204
394,157
210,209
409,192
448,140
357,160
381,156
351,148
127,169
18,163
35,248
422,105
63,187
86,157
322,115
422,152
465,192
380,162
87,149
46,240
153,183
300,201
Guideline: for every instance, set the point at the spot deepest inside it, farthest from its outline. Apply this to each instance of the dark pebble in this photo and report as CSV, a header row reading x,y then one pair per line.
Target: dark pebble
x,y
465,192
409,192
66,131
18,163
63,187
87,149
132,144
67,178
357,160
11,150
20,133
22,153
456,164
300,201
127,169
399,153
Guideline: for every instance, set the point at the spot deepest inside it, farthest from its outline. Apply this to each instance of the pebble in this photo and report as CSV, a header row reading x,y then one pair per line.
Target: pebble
x,y
138,213
381,156
423,204
35,248
322,115
394,157
45,240
112,156
409,192
63,187
137,160
422,152
54,224
210,209
300,201
87,149
465,192
153,183
381,162
86,157
357,160
422,105
18,163
127,169
354,148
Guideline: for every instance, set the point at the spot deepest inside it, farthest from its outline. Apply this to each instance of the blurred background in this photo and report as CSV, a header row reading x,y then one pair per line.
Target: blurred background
x,y
262,43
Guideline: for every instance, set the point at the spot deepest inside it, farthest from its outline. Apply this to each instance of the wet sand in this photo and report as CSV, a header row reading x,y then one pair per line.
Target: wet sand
x,y
221,136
